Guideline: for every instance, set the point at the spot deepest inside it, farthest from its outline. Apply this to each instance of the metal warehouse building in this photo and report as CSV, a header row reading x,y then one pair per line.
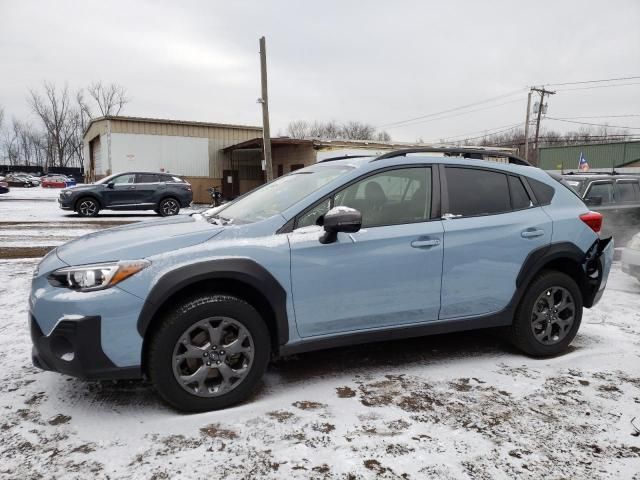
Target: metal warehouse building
x,y
624,157
189,149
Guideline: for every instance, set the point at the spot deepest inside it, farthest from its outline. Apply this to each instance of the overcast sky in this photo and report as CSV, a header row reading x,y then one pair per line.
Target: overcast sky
x,y
375,61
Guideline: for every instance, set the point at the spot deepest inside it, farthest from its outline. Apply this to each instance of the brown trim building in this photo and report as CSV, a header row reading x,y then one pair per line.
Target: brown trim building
x,y
193,150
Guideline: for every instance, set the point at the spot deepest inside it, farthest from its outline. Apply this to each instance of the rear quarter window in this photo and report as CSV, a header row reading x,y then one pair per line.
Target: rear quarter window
x,y
543,192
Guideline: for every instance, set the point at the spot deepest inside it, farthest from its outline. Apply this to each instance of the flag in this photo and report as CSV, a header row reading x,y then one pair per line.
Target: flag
x,y
583,165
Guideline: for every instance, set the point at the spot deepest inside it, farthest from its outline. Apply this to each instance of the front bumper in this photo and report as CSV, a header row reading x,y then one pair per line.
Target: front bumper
x,y
74,347
96,332
65,203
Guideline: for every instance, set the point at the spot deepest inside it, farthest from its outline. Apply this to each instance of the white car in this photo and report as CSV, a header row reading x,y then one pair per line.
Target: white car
x,y
631,257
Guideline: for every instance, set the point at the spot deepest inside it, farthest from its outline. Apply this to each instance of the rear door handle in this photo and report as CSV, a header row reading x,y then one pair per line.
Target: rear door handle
x,y
531,233
425,243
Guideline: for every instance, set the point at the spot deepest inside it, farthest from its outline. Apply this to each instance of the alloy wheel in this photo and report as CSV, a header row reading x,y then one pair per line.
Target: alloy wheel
x,y
553,315
169,207
213,356
88,208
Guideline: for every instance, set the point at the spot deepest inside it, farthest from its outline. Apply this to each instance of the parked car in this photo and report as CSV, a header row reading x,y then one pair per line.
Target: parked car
x,y
18,180
58,181
339,253
4,186
161,192
616,196
630,257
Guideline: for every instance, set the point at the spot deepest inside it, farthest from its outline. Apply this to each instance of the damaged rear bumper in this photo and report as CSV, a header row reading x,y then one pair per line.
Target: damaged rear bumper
x,y
597,266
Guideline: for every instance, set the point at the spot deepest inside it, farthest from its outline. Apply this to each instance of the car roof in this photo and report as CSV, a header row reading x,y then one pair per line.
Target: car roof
x,y
596,176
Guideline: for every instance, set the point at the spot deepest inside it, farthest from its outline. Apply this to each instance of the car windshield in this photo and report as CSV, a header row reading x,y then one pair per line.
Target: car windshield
x,y
275,197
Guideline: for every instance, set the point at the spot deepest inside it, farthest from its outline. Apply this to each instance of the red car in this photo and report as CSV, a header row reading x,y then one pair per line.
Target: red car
x,y
54,182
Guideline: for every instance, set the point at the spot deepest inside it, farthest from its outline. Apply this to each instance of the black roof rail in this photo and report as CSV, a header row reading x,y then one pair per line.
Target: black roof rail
x,y
476,153
342,157
613,172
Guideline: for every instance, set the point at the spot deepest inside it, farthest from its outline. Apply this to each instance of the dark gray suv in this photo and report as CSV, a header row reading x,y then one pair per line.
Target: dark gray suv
x,y
162,192
616,196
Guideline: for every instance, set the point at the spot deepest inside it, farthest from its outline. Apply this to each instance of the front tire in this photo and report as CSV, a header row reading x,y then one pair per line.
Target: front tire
x,y
209,353
168,207
87,207
548,316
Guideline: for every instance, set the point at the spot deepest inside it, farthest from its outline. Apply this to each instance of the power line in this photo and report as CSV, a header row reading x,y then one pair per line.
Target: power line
x,y
488,100
602,116
491,134
457,114
593,81
594,124
487,132
597,86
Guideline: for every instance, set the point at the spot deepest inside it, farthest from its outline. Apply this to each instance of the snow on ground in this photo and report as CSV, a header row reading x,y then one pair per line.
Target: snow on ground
x,y
447,407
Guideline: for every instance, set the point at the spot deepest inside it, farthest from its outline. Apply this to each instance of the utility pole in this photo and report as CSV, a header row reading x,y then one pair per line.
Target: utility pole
x,y
526,128
542,91
266,133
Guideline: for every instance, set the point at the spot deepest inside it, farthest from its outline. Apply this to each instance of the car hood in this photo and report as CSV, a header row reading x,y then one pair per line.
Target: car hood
x,y
139,240
77,188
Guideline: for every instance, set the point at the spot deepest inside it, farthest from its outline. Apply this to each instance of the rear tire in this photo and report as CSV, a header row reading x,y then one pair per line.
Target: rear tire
x,y
87,207
548,316
168,207
187,362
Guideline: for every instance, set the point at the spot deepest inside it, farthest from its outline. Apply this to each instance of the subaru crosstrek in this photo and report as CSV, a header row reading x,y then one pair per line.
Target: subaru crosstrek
x,y
342,252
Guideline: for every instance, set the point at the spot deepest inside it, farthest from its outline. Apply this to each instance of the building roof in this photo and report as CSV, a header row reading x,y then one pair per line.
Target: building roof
x,y
598,155
170,122
319,143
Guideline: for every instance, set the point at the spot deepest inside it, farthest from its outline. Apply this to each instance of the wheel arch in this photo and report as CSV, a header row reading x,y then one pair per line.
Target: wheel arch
x,y
563,257
239,277
87,195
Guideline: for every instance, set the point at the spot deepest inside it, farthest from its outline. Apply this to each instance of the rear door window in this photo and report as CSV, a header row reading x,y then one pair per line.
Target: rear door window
x,y
628,191
473,192
148,178
600,193
519,197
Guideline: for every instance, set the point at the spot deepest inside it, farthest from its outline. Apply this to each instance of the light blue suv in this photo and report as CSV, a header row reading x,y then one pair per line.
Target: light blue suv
x,y
351,250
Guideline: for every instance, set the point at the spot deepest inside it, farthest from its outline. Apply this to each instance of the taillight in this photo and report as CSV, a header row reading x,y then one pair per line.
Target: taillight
x,y
593,220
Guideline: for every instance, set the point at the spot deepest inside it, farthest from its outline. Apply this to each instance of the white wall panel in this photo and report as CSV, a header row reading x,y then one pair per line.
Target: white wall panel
x,y
181,155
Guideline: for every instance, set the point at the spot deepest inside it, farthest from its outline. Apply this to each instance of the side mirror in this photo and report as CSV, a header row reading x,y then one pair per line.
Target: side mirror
x,y
110,185
340,219
593,201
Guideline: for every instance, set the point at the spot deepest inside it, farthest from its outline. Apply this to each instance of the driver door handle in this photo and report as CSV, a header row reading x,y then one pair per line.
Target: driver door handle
x,y
531,233
425,242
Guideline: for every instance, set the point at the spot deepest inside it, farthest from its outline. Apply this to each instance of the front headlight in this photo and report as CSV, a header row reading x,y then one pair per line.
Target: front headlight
x,y
634,244
66,193
87,278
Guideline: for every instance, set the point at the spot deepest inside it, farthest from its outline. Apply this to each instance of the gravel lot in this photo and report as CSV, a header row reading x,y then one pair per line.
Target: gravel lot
x,y
446,407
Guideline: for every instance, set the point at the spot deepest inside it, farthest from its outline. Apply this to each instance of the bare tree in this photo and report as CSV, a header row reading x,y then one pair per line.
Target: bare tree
x,y
357,131
59,119
110,99
332,130
298,129
383,136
